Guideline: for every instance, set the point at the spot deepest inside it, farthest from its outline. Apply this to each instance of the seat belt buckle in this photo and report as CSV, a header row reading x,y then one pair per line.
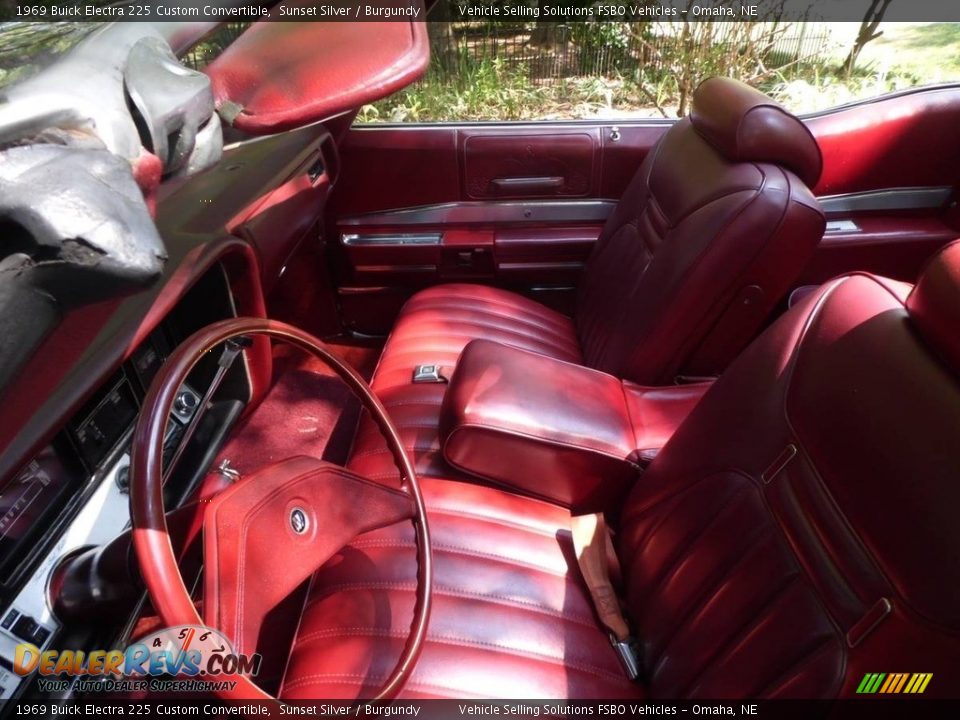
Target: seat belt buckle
x,y
627,652
428,374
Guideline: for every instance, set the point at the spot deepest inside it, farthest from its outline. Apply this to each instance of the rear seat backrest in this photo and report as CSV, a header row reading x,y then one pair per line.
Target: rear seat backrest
x,y
709,235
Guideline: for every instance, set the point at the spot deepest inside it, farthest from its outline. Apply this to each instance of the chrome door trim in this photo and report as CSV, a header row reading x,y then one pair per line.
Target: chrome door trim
x,y
368,239
557,211
907,198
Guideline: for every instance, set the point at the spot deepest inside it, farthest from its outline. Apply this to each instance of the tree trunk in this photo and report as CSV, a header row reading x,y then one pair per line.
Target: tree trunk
x,y
868,32
443,45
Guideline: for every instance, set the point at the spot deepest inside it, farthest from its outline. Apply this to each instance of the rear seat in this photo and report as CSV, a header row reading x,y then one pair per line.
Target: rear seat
x,y
709,235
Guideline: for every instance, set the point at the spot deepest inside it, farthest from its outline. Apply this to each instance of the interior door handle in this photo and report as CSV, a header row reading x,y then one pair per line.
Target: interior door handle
x,y
526,185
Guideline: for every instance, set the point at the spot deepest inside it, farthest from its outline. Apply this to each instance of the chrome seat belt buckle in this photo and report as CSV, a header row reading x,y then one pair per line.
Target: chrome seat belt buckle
x,y
428,374
627,652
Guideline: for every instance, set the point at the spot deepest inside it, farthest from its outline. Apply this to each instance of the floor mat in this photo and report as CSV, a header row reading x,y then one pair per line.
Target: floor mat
x,y
361,357
307,411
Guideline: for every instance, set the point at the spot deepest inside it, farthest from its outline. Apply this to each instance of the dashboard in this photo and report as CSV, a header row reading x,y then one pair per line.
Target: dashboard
x,y
73,495
66,423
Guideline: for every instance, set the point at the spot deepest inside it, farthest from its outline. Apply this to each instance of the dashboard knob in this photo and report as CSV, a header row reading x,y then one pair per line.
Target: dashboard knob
x,y
123,478
186,402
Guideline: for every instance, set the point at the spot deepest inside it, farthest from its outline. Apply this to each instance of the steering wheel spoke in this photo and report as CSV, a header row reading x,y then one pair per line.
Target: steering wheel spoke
x,y
267,534
264,536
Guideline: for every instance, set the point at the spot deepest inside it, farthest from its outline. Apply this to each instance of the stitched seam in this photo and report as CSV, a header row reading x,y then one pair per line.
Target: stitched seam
x,y
457,550
736,638
706,593
386,476
456,300
446,591
415,448
457,314
425,403
456,512
551,338
677,562
362,680
485,646
675,557
582,444
503,335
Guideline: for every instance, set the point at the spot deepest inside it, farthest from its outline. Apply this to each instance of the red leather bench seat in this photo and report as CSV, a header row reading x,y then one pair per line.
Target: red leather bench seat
x,y
796,532
711,232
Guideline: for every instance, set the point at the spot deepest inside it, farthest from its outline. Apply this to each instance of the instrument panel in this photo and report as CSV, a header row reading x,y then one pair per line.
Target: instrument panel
x,y
74,493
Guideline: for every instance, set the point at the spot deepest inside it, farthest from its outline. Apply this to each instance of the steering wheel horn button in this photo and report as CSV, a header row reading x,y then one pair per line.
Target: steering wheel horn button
x,y
299,522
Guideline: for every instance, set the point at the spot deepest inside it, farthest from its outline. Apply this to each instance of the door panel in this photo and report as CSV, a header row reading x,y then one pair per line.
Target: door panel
x,y
890,172
520,205
536,247
396,167
510,165
900,141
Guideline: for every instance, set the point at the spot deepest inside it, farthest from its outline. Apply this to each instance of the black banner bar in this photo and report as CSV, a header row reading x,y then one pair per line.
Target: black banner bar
x,y
559,11
854,709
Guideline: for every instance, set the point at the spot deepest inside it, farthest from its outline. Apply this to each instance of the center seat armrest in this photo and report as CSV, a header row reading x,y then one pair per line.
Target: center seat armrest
x,y
553,429
657,412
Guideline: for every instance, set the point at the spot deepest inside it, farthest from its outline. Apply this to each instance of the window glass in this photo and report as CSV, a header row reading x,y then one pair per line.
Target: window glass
x,y
496,70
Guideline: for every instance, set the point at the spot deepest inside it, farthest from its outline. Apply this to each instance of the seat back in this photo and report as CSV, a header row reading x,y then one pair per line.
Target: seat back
x,y
800,528
712,230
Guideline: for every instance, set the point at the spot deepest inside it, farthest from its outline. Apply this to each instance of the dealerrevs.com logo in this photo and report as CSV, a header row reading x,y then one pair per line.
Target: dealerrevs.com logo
x,y
185,651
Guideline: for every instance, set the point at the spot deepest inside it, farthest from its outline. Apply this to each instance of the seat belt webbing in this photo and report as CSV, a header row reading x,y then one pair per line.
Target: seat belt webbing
x,y
595,555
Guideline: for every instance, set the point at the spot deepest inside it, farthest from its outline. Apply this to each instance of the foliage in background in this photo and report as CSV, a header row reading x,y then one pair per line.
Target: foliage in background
x,y
547,70
26,48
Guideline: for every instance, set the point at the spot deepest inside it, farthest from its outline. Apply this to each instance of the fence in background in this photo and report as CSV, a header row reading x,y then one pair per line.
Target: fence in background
x,y
555,51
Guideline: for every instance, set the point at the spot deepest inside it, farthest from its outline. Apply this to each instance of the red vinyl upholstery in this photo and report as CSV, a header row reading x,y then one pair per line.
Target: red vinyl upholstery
x,y
797,531
935,303
710,233
508,620
552,429
707,238
437,323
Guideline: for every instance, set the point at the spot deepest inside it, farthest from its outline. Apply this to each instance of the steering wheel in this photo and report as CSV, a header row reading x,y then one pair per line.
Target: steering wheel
x,y
151,537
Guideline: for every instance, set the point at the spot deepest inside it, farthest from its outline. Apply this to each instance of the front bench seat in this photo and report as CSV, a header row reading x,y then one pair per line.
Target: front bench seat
x,y
798,531
712,230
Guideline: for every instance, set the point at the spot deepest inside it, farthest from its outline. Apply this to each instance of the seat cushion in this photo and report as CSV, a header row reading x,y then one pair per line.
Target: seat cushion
x,y
415,412
511,617
437,323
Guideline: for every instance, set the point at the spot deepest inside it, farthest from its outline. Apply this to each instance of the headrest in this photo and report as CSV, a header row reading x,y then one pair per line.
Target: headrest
x,y
934,304
745,125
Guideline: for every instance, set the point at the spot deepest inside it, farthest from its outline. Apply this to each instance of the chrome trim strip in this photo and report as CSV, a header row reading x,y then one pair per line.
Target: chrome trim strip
x,y
919,90
577,124
841,226
534,265
908,198
489,212
398,269
391,239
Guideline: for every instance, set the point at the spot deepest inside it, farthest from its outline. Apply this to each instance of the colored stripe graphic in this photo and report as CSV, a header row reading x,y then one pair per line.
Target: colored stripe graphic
x,y
894,683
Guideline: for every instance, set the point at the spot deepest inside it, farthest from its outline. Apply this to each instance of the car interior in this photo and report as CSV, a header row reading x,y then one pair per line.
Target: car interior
x,y
559,409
